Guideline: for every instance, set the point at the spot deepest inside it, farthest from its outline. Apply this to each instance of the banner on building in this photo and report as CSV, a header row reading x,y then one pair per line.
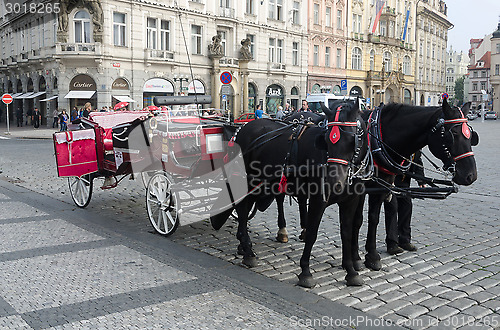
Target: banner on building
x,y
379,7
406,24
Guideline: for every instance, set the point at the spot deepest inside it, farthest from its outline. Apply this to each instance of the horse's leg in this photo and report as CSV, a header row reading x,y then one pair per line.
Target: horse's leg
x,y
348,210
372,258
282,232
315,212
245,247
358,221
303,216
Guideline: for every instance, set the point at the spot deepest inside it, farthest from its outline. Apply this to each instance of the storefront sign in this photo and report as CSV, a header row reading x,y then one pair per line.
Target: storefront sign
x,y
120,83
158,85
116,65
82,82
274,91
196,87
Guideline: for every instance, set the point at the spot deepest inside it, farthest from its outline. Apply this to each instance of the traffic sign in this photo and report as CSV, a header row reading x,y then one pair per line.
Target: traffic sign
x,y
226,77
343,85
224,97
7,98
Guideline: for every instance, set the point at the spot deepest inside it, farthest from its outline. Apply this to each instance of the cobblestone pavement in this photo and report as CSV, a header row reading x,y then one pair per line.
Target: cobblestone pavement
x,y
453,279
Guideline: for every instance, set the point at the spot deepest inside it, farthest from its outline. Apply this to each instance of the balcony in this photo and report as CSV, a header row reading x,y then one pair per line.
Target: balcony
x,y
276,67
79,48
159,54
226,12
229,61
357,36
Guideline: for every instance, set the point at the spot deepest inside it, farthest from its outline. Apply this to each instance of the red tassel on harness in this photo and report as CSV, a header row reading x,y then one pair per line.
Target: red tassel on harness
x,y
231,142
282,185
466,131
335,133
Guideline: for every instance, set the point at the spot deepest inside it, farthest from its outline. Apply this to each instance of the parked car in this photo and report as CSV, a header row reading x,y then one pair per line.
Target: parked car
x,y
314,101
471,115
249,116
490,115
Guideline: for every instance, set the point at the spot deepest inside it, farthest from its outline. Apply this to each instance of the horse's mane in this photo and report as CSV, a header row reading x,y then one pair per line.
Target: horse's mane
x,y
399,110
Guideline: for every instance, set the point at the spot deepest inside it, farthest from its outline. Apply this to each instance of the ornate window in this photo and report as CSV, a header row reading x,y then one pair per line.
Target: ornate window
x,y
372,60
387,61
406,65
81,22
356,58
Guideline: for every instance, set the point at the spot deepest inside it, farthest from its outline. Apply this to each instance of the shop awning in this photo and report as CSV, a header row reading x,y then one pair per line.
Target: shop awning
x,y
79,95
32,96
49,98
123,98
14,96
23,96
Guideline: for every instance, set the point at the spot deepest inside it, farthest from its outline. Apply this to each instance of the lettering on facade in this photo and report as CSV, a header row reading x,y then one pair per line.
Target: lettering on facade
x,y
83,82
273,92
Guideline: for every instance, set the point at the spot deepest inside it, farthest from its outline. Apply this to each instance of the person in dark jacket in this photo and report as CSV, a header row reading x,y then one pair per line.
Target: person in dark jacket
x,y
37,118
398,212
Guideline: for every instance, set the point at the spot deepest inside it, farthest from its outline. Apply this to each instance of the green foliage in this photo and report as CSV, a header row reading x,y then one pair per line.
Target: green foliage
x,y
459,90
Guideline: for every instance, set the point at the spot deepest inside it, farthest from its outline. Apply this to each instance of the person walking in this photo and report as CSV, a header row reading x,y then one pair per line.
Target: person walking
x,y
305,106
258,111
19,115
37,117
398,211
280,114
55,114
86,110
64,120
288,110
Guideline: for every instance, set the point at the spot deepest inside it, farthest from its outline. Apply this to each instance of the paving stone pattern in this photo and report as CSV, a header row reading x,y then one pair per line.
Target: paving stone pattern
x,y
454,277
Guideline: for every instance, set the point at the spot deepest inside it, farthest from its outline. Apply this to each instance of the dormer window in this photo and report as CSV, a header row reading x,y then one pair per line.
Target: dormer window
x,y
82,27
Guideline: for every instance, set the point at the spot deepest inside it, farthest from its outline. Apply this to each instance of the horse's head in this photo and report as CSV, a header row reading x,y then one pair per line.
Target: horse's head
x,y
345,141
451,141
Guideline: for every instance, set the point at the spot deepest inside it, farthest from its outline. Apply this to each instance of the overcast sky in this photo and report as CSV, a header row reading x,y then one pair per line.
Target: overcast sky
x,y
471,19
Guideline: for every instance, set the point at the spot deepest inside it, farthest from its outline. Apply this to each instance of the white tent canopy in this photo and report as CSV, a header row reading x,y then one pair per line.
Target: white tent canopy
x,y
32,96
79,95
49,98
123,98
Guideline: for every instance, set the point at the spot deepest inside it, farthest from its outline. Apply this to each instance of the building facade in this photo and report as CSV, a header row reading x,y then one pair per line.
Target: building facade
x,y
432,27
381,51
105,52
495,69
456,67
327,31
479,72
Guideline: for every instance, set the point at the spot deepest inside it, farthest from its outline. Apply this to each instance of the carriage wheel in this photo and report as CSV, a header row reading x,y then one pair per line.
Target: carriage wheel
x,y
145,176
252,213
162,204
81,190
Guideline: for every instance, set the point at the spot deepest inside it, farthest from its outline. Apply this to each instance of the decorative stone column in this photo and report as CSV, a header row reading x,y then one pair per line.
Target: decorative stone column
x,y
216,84
244,79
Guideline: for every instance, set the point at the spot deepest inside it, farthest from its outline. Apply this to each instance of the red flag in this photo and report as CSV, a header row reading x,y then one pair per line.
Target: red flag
x,y
379,8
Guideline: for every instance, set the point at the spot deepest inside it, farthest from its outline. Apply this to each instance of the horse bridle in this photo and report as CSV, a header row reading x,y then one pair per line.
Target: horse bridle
x,y
450,163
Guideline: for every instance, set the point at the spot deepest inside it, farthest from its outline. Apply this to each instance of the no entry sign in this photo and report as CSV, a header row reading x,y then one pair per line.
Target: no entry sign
x,y
226,77
7,98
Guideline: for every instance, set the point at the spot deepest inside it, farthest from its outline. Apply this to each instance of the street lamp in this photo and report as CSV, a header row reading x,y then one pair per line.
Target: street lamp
x,y
180,79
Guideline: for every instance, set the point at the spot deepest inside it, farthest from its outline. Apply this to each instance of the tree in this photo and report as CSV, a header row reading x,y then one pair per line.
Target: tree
x,y
459,90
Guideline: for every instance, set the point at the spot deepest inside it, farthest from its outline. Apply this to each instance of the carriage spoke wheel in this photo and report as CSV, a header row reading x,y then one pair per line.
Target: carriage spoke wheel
x,y
81,190
162,205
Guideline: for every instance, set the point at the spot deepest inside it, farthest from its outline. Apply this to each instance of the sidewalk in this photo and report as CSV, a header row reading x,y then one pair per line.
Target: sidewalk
x,y
27,132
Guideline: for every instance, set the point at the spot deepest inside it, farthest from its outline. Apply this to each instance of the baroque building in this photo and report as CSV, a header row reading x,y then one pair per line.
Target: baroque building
x,y
456,67
104,52
479,71
381,51
495,69
327,31
431,37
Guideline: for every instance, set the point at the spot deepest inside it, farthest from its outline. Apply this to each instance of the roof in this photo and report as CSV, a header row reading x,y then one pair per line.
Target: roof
x,y
496,34
486,59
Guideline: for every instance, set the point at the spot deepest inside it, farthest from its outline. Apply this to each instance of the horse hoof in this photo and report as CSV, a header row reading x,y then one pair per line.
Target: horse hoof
x,y
250,262
373,264
306,281
357,264
302,235
354,280
283,238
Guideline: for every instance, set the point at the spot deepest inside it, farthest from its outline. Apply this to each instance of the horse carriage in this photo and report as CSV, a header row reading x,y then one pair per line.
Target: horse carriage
x,y
172,151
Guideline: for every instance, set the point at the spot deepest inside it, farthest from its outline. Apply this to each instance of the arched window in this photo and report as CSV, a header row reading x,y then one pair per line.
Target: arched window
x,y
387,61
294,91
356,58
372,60
82,27
406,65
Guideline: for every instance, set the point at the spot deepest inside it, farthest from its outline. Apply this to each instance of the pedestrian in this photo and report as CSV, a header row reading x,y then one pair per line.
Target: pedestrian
x,y
29,114
398,211
55,114
280,114
305,106
19,115
258,111
86,110
73,114
288,110
64,120
37,117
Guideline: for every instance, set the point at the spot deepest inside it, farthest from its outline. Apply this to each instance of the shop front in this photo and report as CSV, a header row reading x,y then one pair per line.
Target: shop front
x,y
120,92
196,87
82,89
356,91
156,87
274,98
252,97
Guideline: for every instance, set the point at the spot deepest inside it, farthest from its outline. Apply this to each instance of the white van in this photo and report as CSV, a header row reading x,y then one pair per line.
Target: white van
x,y
314,100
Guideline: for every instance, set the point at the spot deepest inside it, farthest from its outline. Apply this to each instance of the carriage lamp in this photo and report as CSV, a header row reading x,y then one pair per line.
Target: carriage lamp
x,y
214,143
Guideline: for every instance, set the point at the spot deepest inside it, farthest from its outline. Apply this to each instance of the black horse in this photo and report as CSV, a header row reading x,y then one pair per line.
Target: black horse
x,y
398,131
321,171
282,235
